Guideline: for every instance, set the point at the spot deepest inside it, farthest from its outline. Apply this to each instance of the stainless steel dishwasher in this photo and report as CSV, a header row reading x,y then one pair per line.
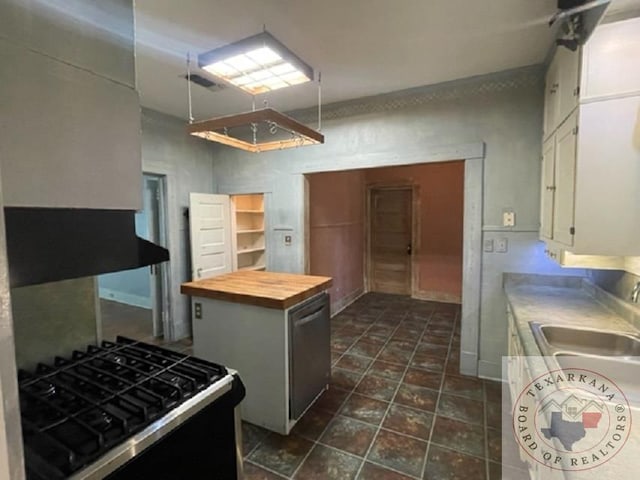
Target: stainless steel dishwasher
x,y
309,352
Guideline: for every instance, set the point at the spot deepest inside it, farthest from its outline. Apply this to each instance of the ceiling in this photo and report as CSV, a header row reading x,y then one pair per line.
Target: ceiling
x,y
362,47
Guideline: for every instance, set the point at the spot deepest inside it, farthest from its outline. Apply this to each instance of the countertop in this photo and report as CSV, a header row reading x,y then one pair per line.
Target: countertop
x,y
577,302
564,301
263,289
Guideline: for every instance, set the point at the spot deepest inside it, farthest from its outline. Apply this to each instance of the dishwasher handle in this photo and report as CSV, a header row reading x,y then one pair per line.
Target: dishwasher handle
x,y
310,317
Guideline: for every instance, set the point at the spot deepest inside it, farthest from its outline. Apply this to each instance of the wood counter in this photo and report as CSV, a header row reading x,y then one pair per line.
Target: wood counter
x,y
264,289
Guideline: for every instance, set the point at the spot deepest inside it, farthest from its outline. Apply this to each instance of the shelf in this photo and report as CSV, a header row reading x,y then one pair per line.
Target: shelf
x,y
259,230
252,267
250,250
249,211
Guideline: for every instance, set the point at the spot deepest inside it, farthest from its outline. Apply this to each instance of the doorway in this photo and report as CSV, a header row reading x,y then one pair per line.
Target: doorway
x,y
135,303
390,240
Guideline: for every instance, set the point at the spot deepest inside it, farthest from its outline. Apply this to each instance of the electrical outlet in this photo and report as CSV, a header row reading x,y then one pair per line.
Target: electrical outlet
x,y
287,239
508,218
197,307
502,245
488,245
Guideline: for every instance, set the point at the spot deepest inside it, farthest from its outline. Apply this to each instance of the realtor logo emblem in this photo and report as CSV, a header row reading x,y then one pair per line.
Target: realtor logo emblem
x,y
572,419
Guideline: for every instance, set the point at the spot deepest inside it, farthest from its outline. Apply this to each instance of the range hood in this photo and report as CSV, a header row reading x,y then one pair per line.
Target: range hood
x,y
52,244
576,20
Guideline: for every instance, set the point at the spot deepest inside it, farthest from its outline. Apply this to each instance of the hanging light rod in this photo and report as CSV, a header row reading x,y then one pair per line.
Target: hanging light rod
x,y
256,64
216,130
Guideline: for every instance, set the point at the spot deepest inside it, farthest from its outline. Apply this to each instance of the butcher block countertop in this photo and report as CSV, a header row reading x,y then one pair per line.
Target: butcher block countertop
x,y
263,289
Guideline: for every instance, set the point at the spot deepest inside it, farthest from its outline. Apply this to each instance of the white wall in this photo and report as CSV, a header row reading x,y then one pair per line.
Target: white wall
x,y
187,163
502,110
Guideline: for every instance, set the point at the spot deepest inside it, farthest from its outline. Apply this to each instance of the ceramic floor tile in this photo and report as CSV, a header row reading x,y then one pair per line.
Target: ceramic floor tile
x,y
423,378
393,355
326,464
281,453
375,472
398,452
494,415
434,339
443,464
408,421
383,331
365,348
331,400
349,435
433,350
469,387
402,344
353,363
391,371
428,362
460,436
344,378
505,472
377,387
494,444
255,472
493,391
365,409
461,408
417,397
312,424
251,436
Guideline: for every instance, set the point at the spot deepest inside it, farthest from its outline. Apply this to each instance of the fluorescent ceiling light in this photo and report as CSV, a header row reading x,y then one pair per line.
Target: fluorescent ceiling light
x,y
256,64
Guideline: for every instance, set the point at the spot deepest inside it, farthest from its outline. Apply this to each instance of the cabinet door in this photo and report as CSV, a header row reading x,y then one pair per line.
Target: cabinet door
x,y
547,189
568,81
565,181
610,61
550,99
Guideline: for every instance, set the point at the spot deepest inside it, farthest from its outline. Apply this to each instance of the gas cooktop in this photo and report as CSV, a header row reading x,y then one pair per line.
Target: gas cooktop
x,y
79,408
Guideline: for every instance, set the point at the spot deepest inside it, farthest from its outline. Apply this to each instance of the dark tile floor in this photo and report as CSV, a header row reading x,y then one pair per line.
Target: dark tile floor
x,y
135,322
397,407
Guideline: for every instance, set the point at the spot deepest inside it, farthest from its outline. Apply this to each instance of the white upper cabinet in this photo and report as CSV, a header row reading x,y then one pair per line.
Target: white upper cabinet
x,y
611,61
590,188
561,89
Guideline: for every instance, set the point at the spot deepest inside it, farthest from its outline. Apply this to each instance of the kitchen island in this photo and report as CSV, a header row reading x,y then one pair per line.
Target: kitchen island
x,y
273,328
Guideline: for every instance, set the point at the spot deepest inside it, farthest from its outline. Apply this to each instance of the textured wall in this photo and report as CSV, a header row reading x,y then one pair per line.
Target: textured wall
x,y
53,319
502,110
336,215
438,254
187,163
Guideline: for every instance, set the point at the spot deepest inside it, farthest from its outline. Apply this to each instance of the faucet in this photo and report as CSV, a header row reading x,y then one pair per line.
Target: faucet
x,y
635,293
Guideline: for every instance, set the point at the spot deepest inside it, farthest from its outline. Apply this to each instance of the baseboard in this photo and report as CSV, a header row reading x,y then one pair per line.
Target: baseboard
x,y
345,301
126,298
490,370
437,296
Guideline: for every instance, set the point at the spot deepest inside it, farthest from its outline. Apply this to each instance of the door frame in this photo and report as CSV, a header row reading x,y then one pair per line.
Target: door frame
x,y
163,269
415,227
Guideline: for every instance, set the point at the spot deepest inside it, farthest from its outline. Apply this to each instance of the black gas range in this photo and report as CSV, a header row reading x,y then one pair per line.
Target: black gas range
x,y
128,409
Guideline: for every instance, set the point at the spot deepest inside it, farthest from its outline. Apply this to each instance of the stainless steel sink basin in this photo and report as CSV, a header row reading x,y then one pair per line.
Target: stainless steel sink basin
x,y
554,338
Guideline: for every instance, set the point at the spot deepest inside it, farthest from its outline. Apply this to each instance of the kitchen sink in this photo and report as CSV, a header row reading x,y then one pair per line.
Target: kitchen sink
x,y
577,340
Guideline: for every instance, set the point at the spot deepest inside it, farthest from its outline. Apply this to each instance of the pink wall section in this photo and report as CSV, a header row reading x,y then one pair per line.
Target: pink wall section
x,y
336,215
439,248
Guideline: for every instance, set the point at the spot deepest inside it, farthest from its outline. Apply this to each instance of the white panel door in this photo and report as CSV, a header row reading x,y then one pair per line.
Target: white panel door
x,y
547,188
565,181
210,223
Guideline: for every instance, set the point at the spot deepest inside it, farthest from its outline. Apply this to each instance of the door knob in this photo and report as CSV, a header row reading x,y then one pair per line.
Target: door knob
x,y
199,272
409,249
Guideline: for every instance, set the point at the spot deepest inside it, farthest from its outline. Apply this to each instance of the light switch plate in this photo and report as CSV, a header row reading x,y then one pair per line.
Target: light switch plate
x,y
488,245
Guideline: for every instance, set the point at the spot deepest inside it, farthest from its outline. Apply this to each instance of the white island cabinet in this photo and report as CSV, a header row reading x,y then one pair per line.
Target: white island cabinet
x,y
273,328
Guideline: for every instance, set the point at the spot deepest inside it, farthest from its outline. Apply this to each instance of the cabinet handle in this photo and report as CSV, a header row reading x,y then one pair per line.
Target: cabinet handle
x,y
554,88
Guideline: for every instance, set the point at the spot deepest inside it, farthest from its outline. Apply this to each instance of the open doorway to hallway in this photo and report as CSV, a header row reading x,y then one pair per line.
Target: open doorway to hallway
x,y
134,303
389,229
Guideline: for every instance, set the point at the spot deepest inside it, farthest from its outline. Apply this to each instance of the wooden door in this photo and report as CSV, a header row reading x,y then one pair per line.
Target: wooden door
x,y
210,222
390,240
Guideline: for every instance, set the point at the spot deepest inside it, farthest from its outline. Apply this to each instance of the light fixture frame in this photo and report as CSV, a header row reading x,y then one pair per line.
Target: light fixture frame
x,y
263,39
301,134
